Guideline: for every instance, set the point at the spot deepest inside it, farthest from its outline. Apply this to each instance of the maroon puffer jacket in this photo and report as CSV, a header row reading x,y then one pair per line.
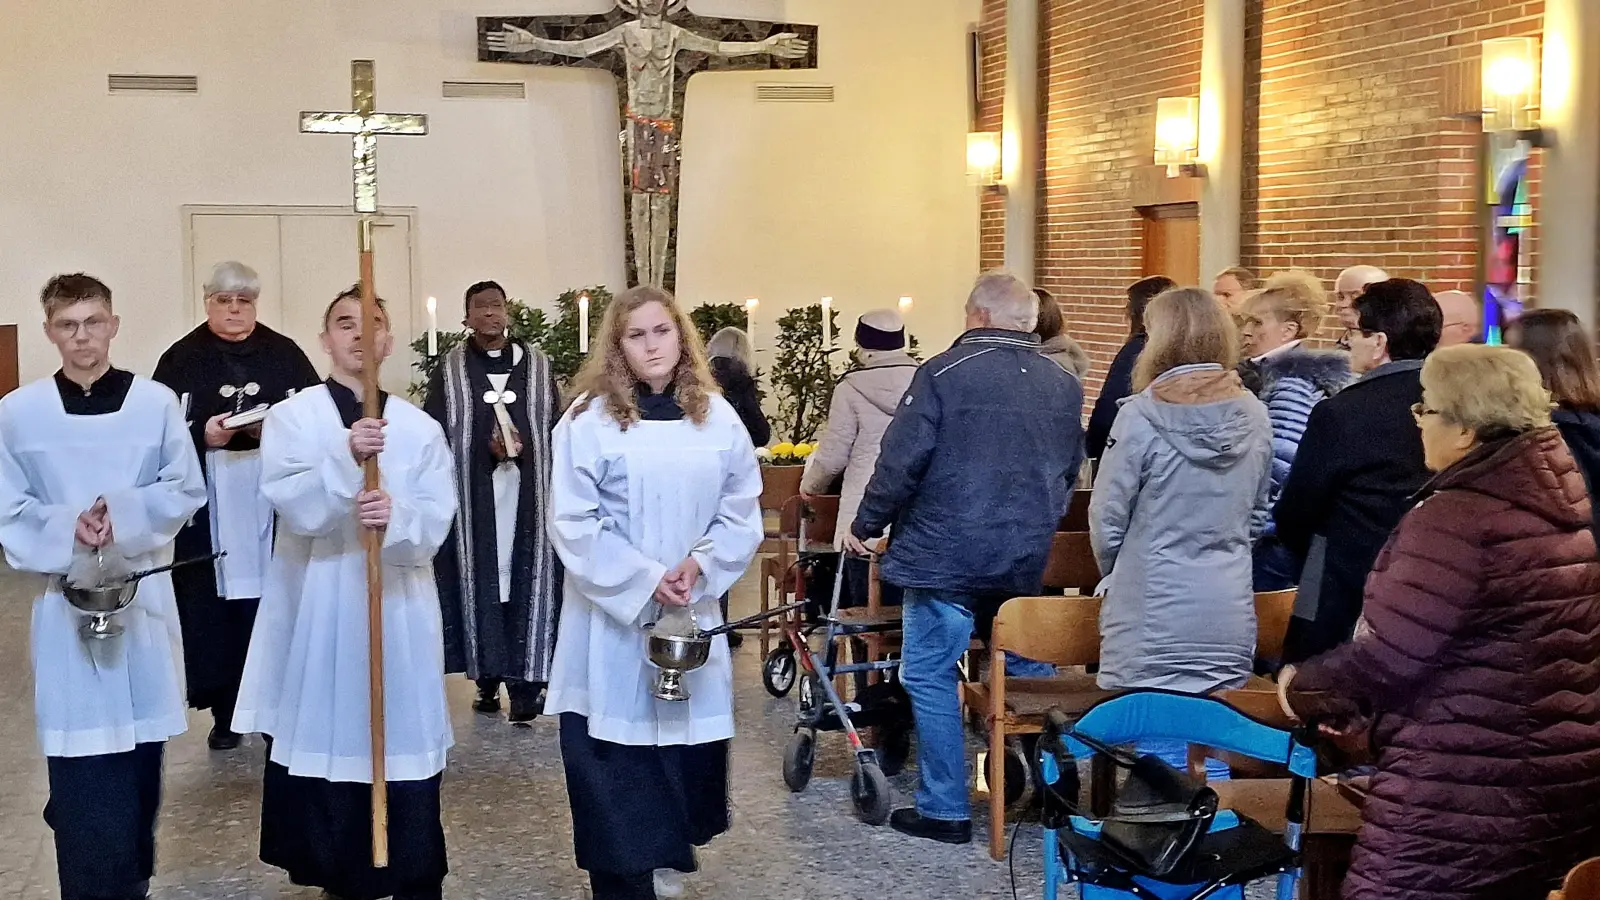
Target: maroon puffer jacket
x,y
1478,657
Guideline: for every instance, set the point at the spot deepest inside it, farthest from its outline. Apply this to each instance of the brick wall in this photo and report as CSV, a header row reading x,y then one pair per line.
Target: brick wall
x,y
1355,158
1103,65
1350,156
989,115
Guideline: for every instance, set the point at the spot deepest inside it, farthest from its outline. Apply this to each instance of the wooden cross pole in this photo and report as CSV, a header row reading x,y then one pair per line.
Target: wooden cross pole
x,y
364,124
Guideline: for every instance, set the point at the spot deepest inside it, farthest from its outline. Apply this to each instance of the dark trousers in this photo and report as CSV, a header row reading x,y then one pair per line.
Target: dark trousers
x,y
103,812
622,887
520,692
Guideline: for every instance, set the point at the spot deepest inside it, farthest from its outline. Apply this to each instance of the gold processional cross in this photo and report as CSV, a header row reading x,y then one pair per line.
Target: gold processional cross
x,y
364,125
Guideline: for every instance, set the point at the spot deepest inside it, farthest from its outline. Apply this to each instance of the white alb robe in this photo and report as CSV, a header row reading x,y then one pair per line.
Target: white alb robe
x,y
305,678
90,701
241,521
626,506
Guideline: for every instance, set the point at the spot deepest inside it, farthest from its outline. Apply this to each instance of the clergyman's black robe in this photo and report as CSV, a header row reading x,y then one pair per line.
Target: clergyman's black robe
x,y
483,637
216,631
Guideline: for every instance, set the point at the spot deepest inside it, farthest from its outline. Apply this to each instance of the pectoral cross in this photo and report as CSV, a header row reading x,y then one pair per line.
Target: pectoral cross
x,y
365,124
658,49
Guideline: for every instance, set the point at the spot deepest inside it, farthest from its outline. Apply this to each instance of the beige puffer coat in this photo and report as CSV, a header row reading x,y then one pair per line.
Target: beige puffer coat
x,y
864,402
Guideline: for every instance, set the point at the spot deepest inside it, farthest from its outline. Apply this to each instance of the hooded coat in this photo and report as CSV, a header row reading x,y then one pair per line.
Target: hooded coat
x,y
1186,466
1292,383
1477,661
863,405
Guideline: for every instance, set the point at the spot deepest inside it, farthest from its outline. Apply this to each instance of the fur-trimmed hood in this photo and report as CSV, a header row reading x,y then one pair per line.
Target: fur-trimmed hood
x,y
1326,370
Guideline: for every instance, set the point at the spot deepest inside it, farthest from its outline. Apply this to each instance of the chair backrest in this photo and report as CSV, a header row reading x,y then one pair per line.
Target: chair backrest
x,y
1164,715
1273,609
821,519
778,484
1582,883
1077,517
1071,564
1060,630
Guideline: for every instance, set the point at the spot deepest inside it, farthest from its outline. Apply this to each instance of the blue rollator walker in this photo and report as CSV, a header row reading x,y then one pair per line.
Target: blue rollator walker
x,y
883,705
1163,837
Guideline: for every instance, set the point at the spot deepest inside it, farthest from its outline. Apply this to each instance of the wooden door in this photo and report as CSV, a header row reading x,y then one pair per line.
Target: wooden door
x,y
1172,242
8,359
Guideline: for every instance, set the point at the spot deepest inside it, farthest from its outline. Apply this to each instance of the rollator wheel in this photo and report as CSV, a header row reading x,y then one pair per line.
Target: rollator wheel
x,y
798,759
778,671
869,789
894,748
1020,788
808,695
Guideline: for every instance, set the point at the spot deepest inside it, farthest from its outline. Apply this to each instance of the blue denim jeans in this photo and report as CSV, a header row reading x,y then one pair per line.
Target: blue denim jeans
x,y
937,630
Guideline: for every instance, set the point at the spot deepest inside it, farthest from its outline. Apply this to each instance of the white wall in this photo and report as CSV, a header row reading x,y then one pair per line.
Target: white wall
x,y
863,199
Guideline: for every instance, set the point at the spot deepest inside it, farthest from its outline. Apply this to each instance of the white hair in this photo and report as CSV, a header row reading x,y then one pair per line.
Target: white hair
x,y
1358,277
233,278
1010,303
732,343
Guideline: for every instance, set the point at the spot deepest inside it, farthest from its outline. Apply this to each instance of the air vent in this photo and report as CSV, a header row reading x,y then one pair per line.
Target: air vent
x,y
485,90
160,84
794,93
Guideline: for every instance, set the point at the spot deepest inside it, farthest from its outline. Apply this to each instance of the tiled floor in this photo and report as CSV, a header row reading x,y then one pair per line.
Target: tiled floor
x,y
506,813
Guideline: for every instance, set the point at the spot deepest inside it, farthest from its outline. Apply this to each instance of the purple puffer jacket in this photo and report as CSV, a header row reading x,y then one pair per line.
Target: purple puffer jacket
x,y
1478,661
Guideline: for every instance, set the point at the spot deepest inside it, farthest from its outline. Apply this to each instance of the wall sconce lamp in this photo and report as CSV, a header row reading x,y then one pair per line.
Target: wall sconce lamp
x,y
983,159
1178,135
1511,88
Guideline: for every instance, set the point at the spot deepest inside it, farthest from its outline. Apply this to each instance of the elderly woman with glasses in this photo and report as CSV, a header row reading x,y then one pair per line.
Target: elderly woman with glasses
x,y
1473,672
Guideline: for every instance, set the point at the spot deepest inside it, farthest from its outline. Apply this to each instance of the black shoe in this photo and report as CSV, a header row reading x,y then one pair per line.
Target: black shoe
x,y
222,739
909,821
526,706
735,640
487,703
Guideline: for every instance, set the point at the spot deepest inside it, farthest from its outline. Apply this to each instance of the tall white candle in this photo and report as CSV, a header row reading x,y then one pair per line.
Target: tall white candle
x,y
750,308
827,325
433,326
583,322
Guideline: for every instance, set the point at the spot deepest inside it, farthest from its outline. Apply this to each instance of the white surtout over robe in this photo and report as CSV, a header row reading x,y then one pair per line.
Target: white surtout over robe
x,y
305,679
127,690
626,506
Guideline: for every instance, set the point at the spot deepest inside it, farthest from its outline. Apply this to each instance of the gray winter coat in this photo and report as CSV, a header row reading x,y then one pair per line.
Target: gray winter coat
x,y
864,402
1170,520
1068,355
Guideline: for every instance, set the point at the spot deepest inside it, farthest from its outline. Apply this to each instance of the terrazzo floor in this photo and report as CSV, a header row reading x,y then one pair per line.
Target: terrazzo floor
x,y
506,818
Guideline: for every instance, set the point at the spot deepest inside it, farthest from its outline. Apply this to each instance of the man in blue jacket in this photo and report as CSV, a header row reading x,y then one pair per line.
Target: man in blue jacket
x,y
974,475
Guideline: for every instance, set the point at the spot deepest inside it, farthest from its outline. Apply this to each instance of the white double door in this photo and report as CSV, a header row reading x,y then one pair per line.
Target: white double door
x,y
306,256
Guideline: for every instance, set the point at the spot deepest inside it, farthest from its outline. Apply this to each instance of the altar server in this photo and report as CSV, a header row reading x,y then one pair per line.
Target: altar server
x,y
229,364
498,576
305,680
654,506
96,458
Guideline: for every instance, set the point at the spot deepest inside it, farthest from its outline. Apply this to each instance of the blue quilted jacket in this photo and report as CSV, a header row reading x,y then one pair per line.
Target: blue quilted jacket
x,y
1292,383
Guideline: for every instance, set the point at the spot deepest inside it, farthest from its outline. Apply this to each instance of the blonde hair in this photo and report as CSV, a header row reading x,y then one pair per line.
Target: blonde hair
x,y
1186,326
1295,296
1491,391
732,343
606,376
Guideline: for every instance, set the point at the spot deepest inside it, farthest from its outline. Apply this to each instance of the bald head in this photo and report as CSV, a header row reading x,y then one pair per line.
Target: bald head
x,y
1462,319
1349,285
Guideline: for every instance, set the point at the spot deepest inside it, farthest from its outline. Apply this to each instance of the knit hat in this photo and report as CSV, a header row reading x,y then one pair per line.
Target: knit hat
x,y
881,329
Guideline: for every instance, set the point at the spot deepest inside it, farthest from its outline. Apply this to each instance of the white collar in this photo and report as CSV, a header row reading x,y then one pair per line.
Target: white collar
x,y
1281,348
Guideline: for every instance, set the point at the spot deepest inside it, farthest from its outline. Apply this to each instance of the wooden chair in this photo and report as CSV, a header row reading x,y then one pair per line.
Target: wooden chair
x,y
1582,883
1273,609
801,526
1071,566
1060,630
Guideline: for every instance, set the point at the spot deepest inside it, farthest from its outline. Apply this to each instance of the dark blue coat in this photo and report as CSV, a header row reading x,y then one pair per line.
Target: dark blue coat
x,y
1118,384
1581,430
977,467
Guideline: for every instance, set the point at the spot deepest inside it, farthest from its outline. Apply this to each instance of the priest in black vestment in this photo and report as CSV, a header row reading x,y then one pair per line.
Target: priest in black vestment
x,y
499,588
227,365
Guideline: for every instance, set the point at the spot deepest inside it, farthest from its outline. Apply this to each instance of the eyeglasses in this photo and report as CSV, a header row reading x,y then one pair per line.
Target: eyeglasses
x,y
1418,411
67,329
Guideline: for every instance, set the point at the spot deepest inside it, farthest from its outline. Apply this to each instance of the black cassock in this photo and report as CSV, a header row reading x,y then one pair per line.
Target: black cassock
x,y
216,631
483,637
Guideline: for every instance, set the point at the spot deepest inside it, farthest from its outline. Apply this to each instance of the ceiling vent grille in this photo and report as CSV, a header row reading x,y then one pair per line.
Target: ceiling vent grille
x,y
485,90
159,84
794,93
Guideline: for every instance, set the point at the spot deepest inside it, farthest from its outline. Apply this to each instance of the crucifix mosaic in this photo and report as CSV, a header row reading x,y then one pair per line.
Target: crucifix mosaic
x,y
653,47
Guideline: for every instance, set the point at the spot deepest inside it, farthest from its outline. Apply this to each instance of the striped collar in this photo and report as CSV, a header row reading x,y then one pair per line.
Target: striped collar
x,y
1003,337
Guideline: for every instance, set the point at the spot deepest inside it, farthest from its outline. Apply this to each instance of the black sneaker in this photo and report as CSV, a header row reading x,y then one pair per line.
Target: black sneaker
x,y
222,739
526,706
909,821
487,703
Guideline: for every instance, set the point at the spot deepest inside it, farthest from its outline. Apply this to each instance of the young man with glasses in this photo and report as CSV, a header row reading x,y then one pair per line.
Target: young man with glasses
x,y
96,469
